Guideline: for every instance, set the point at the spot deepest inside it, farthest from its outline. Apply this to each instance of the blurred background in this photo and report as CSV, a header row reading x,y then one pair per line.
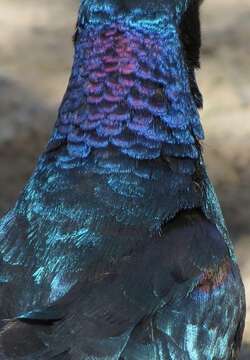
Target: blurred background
x,y
36,57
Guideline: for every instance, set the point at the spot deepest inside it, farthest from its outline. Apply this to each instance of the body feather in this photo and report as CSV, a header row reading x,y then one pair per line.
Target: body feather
x,y
117,249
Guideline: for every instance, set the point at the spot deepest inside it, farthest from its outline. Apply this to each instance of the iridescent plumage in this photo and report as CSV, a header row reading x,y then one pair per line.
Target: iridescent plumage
x,y
117,248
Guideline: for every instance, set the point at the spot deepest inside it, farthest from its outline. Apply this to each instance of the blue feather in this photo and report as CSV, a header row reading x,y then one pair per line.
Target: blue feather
x,y
117,249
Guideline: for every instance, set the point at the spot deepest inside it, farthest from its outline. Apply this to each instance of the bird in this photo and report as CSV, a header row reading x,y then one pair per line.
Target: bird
x,y
117,249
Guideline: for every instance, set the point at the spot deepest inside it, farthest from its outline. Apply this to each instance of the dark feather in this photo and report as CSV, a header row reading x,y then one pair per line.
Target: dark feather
x,y
117,248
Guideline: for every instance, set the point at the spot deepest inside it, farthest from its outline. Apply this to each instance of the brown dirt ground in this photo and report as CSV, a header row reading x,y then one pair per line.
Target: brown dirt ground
x,y
36,55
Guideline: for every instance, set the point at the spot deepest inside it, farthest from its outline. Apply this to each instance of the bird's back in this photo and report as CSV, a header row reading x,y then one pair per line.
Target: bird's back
x,y
117,249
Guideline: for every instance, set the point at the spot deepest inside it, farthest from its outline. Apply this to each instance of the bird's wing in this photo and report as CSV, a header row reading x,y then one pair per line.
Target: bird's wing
x,y
193,327
72,223
186,267
204,320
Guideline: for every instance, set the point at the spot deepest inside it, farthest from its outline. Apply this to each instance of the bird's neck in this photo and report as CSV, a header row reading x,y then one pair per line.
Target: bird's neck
x,y
129,89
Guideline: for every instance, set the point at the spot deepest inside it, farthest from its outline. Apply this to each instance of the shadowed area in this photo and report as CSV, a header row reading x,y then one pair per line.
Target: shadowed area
x,y
36,56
